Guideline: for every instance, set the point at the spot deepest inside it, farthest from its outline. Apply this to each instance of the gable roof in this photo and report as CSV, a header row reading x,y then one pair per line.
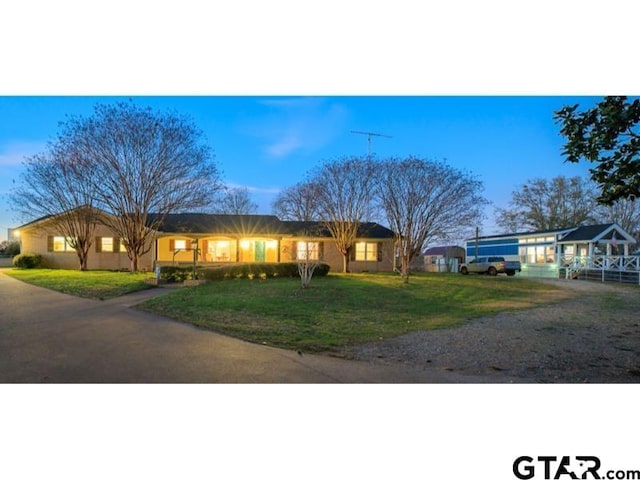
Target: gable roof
x,y
599,232
586,232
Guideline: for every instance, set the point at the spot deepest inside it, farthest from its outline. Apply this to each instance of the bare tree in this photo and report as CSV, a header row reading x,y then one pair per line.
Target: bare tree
x,y
425,201
298,203
625,213
141,165
236,201
307,259
53,186
547,204
345,192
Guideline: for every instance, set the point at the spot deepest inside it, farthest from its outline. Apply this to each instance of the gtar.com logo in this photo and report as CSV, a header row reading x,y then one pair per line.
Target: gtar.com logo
x,y
578,467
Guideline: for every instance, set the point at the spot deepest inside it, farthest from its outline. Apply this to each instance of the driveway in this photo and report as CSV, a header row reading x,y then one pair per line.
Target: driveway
x,y
50,337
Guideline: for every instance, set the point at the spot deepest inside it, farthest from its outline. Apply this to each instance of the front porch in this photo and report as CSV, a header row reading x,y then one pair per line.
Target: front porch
x,y
604,268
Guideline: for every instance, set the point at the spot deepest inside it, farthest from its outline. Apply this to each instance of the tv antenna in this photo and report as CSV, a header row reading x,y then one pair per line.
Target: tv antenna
x,y
369,135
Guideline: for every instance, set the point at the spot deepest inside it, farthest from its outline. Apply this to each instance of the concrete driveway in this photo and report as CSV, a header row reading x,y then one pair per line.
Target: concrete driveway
x,y
50,337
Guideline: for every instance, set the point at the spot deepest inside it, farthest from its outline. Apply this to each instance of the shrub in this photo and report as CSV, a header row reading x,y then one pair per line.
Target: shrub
x,y
254,271
27,260
175,274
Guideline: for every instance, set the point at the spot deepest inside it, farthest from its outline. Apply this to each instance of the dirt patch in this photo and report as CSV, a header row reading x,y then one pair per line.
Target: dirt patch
x,y
590,333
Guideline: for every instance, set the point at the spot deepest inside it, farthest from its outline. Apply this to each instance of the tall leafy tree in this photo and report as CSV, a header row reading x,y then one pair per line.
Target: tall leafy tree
x,y
344,198
547,204
53,186
608,136
141,165
425,201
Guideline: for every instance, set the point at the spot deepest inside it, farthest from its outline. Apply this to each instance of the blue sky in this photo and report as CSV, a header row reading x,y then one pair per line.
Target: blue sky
x,y
269,143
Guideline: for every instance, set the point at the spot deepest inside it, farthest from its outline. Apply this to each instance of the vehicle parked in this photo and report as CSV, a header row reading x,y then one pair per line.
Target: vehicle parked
x,y
491,266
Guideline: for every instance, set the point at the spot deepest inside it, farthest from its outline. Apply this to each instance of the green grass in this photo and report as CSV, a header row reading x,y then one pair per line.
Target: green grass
x,y
340,310
90,284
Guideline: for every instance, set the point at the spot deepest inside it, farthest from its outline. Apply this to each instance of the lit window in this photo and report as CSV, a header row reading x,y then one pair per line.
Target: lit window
x,y
366,252
551,256
107,244
308,251
62,244
219,251
180,245
123,247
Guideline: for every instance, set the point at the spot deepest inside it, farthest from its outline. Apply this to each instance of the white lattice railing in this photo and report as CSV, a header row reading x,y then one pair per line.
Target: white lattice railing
x,y
600,262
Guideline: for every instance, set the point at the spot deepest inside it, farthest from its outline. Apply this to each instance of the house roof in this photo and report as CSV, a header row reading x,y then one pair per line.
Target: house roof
x,y
433,251
602,231
207,223
584,233
203,223
213,223
521,234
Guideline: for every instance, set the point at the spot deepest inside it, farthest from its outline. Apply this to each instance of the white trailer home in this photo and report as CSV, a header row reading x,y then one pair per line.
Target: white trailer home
x,y
590,251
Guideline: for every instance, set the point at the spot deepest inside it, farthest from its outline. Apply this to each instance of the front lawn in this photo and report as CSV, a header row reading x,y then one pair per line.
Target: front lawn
x,y
97,284
339,310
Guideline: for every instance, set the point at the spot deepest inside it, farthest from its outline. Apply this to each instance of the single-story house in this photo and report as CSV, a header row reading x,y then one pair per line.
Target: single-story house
x,y
212,239
443,259
548,253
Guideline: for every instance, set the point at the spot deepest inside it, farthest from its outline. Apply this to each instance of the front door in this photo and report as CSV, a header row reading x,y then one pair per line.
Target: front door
x,y
260,251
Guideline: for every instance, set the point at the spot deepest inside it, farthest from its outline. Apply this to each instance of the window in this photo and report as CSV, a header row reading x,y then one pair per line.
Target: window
x,y
539,254
219,251
123,248
61,244
366,252
106,244
308,251
180,245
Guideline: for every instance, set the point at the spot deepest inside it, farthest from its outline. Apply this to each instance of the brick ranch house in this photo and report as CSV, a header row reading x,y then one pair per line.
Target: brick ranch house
x,y
216,240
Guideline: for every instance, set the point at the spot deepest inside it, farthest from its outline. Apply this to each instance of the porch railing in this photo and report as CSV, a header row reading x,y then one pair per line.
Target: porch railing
x,y
623,263
617,268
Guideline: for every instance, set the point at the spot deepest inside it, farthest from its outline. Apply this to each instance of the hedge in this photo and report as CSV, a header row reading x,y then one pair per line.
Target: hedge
x,y
257,271
172,274
27,260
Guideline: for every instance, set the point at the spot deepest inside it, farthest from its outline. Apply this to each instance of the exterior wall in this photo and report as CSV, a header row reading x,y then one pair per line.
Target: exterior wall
x,y
241,249
36,240
504,247
332,256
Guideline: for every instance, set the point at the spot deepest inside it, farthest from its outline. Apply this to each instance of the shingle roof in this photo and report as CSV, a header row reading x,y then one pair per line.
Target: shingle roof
x,y
221,224
588,232
202,223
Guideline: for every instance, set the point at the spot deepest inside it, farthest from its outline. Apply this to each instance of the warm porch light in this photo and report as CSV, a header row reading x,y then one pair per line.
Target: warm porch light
x,y
245,244
271,244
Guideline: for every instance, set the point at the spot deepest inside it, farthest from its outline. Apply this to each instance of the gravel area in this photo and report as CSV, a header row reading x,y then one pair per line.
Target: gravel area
x,y
592,335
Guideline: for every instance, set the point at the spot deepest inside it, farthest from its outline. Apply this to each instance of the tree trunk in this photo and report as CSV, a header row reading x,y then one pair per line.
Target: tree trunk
x,y
345,262
83,258
404,268
134,263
